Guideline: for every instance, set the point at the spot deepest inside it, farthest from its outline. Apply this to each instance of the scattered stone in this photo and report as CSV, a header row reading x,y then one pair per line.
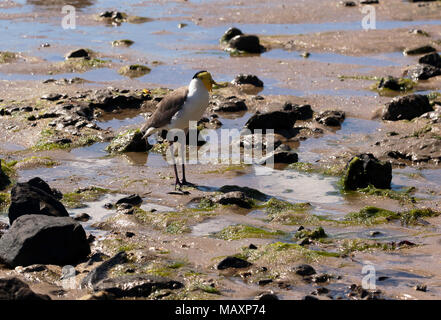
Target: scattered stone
x,y
312,298
252,247
423,72
122,43
41,239
15,289
264,282
280,156
304,270
320,278
79,53
419,50
311,234
369,2
230,34
421,287
133,199
230,104
83,217
51,96
101,271
128,141
303,112
320,291
246,43
357,292
374,233
249,192
136,285
406,108
233,262
134,70
130,234
96,257
267,296
276,120
332,118
348,3
247,79
233,198
35,197
364,170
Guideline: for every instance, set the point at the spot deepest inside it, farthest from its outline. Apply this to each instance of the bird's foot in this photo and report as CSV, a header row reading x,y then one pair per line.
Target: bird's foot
x,y
188,184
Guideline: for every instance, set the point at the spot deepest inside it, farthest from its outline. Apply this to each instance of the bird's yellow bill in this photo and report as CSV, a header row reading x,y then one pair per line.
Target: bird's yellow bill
x,y
207,80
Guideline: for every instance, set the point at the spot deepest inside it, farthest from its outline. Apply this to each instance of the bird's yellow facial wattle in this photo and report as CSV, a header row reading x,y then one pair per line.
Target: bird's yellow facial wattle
x,y
207,80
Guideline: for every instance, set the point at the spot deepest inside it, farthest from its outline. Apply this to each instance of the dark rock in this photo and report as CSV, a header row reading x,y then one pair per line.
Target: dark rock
x,y
136,285
348,3
247,79
128,141
35,197
101,272
433,59
96,257
369,2
276,120
252,247
390,83
407,107
303,112
246,43
231,104
320,291
264,282
267,296
357,291
233,262
133,199
83,217
364,170
41,239
235,197
4,179
423,72
249,192
419,50
278,156
304,270
51,96
332,118
109,100
310,298
79,53
129,234
15,289
230,34
421,287
320,278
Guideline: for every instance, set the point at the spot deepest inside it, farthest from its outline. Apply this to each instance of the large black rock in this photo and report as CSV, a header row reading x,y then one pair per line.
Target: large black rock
x,y
364,170
406,108
15,289
101,272
277,120
35,197
433,59
423,71
41,239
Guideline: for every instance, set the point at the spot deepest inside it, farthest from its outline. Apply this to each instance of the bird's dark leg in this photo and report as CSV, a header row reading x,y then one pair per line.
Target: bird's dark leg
x,y
178,183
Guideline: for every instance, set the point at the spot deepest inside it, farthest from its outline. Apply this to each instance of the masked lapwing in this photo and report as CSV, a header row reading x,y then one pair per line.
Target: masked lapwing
x,y
177,109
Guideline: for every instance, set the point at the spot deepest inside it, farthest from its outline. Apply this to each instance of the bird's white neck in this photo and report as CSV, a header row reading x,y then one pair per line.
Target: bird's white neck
x,y
196,85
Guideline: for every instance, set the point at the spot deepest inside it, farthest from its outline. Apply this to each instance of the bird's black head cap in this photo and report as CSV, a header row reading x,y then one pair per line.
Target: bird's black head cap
x,y
198,73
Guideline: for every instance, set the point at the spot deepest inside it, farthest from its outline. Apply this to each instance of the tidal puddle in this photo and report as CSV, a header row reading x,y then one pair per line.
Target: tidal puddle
x,y
8,147
381,60
310,149
116,121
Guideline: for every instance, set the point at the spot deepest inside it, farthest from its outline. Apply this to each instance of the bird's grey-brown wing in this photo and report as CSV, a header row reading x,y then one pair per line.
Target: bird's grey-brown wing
x,y
166,109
